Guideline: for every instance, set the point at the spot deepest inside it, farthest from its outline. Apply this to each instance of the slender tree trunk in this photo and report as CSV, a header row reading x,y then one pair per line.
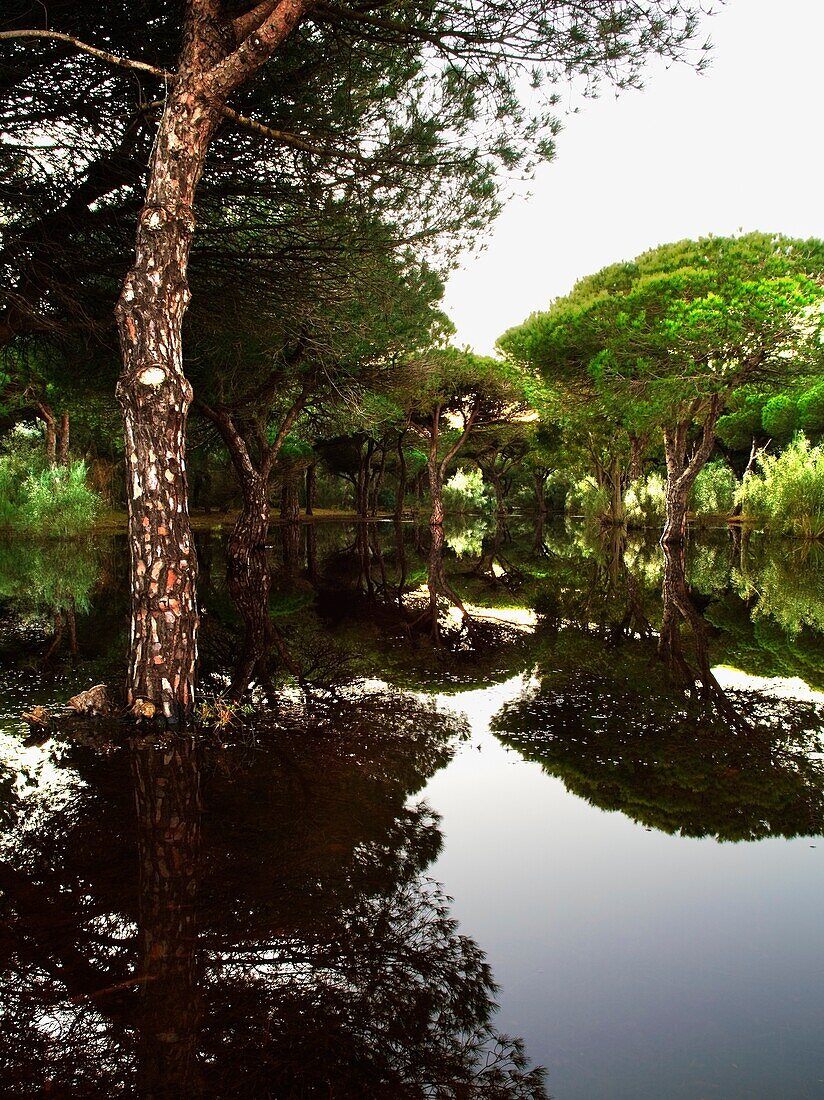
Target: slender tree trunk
x,y
638,444
400,494
682,471
64,439
539,481
377,482
437,469
311,552
252,525
500,496
290,541
249,588
289,499
438,513
47,416
311,487
362,486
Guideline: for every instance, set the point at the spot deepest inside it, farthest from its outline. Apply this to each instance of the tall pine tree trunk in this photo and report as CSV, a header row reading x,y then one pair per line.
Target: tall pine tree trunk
x,y
218,55
155,396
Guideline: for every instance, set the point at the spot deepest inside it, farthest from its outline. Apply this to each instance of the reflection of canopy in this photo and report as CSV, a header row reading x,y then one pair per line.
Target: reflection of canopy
x,y
288,944
624,742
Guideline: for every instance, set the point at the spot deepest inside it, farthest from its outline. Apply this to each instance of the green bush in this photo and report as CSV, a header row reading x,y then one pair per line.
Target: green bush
x,y
811,409
465,492
57,501
20,457
787,492
588,499
645,501
780,416
713,492
39,499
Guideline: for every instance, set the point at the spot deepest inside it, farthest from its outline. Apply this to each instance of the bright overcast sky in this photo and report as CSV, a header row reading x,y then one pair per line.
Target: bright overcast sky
x,y
740,147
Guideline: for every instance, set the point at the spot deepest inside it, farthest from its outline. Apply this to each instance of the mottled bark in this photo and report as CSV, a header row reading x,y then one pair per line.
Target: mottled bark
x,y
252,524
153,392
155,395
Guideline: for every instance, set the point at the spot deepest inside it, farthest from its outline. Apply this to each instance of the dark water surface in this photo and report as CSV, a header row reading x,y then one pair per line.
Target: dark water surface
x,y
570,776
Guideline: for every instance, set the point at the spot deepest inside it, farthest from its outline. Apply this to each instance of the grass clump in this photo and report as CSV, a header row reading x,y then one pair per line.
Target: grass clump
x,y
588,499
786,494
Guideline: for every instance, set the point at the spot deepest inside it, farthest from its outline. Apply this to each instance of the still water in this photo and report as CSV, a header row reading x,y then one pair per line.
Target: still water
x,y
571,778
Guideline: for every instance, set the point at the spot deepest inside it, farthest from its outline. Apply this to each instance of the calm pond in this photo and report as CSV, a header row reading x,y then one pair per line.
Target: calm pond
x,y
588,790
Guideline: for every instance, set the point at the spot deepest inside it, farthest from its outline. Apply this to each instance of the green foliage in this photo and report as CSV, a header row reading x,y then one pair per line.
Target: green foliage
x,y
780,416
588,498
811,410
467,541
713,492
44,577
41,499
465,492
787,492
58,501
742,422
644,501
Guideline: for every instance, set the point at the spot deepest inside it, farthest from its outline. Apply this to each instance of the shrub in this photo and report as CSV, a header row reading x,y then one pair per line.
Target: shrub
x,y
713,492
465,492
811,409
57,501
645,501
780,416
589,499
787,493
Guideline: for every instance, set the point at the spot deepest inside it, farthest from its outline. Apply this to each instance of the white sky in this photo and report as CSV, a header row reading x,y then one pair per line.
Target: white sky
x,y
740,147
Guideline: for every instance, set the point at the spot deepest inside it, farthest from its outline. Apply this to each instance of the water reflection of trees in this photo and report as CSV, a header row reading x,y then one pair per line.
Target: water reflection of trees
x,y
281,941
641,724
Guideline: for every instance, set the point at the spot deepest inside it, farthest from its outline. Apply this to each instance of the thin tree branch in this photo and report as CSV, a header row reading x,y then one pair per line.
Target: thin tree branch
x,y
84,47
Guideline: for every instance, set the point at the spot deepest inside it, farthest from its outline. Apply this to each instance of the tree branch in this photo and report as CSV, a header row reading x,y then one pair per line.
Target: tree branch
x,y
256,48
84,47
